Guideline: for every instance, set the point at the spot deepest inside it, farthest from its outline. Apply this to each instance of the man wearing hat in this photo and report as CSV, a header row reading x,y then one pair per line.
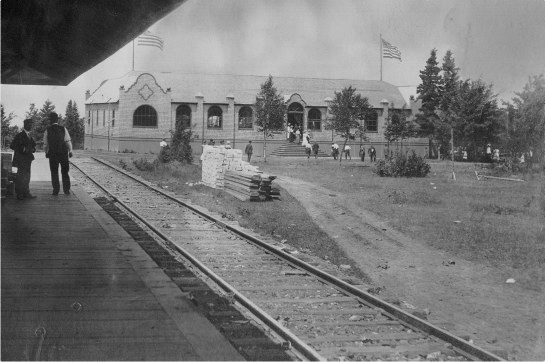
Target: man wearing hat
x,y
58,148
24,147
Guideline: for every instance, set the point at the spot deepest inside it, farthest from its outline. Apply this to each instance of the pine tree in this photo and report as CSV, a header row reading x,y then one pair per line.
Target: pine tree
x,y
429,93
446,114
74,124
270,112
41,119
347,110
8,131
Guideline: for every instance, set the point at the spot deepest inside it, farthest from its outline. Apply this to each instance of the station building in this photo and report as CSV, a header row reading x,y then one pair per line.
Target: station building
x,y
133,113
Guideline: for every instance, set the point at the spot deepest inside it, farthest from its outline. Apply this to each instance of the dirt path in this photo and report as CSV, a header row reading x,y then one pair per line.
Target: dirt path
x,y
475,298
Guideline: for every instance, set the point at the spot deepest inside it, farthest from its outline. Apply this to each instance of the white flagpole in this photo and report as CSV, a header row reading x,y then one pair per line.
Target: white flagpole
x,y
380,41
133,54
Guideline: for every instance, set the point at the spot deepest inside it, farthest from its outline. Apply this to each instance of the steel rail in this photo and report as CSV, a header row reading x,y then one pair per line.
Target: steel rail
x,y
466,348
286,334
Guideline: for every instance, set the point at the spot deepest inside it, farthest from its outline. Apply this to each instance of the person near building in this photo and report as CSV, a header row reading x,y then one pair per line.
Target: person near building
x,y
298,135
58,148
308,150
372,154
163,143
496,156
488,153
211,142
362,153
24,147
347,155
228,145
315,148
249,150
305,139
334,150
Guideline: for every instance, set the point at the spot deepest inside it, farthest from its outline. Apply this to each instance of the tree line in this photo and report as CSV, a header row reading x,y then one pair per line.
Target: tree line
x,y
40,120
468,112
453,113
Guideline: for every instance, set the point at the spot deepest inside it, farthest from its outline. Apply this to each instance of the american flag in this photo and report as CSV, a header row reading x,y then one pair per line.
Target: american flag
x,y
390,51
148,39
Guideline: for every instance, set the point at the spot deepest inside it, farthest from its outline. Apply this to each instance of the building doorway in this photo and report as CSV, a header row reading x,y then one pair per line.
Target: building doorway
x,y
296,114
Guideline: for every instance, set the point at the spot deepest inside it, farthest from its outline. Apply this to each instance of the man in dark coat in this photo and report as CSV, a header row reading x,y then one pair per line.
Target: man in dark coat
x,y
24,147
249,150
58,148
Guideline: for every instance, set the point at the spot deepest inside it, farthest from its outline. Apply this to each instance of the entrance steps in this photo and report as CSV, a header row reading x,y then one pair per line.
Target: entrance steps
x,y
294,150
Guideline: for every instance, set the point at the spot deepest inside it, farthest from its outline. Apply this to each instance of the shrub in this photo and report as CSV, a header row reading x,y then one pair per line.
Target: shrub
x,y
144,165
181,144
399,165
165,156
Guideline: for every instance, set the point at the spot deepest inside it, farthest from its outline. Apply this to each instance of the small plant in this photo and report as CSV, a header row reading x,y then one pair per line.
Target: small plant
x,y
399,165
123,164
144,165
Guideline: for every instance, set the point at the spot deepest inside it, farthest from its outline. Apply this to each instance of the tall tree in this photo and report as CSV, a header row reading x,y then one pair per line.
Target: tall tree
x,y
449,90
477,119
8,131
526,122
41,119
429,93
270,110
74,124
348,108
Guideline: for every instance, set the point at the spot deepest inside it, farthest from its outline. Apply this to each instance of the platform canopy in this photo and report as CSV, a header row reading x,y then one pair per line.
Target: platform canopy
x,y
54,42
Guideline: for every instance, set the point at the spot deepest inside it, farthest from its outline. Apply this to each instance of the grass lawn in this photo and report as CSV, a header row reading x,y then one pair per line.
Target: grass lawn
x,y
500,223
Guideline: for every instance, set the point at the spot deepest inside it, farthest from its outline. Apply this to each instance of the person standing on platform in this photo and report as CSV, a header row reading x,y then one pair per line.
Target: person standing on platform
x,y
24,147
58,148
249,150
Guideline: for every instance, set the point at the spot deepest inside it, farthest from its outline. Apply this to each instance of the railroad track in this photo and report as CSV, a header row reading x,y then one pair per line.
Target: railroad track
x,y
319,316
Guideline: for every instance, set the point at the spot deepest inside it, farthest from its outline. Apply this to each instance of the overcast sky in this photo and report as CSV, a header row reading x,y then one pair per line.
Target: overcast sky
x,y
500,41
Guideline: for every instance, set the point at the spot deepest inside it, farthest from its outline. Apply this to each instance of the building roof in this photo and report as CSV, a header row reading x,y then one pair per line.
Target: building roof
x,y
53,42
217,87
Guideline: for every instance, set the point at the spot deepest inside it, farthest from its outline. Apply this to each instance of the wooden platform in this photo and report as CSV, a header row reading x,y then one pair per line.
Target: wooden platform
x,y
69,271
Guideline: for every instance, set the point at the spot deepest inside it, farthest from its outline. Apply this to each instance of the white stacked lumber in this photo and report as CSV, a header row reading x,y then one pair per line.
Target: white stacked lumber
x,y
225,168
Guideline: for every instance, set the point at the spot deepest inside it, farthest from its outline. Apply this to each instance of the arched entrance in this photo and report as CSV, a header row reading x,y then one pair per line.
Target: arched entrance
x,y
296,114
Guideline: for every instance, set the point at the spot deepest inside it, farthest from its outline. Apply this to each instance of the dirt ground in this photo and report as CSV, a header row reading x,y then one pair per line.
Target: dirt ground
x,y
473,300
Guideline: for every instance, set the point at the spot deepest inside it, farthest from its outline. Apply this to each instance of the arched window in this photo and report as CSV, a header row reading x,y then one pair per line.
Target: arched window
x,y
245,118
371,121
215,115
144,116
314,120
183,114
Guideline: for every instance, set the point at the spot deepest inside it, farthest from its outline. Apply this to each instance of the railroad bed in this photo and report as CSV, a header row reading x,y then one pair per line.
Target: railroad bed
x,y
318,315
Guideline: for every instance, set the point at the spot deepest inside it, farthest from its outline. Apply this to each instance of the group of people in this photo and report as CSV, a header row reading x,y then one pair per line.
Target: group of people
x,y
335,152
294,133
58,149
312,149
